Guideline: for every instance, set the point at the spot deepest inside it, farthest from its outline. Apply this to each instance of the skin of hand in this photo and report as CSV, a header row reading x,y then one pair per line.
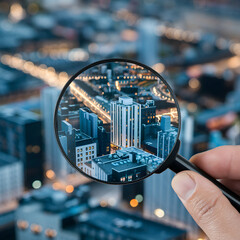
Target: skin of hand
x,y
204,201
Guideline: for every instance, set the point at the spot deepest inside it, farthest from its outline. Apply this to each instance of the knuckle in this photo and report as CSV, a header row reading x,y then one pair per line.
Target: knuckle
x,y
205,210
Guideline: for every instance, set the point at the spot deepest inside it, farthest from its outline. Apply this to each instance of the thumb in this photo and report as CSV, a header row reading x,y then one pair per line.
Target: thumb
x,y
208,206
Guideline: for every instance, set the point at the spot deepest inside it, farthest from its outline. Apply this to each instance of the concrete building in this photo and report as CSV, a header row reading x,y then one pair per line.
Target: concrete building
x,y
186,134
53,156
17,140
126,123
148,112
159,196
166,137
11,178
148,41
124,165
88,122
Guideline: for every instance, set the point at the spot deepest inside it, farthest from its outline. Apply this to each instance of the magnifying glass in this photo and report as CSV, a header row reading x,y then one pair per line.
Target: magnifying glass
x,y
118,121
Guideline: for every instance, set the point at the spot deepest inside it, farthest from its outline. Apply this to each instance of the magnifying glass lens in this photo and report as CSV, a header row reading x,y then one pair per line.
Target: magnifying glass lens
x,y
117,121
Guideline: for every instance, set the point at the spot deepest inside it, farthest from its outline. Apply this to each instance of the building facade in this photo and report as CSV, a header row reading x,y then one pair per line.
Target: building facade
x,y
166,137
11,178
53,156
125,123
17,140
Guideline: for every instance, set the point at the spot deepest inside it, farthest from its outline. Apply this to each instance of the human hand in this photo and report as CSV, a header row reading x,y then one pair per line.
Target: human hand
x,y
211,210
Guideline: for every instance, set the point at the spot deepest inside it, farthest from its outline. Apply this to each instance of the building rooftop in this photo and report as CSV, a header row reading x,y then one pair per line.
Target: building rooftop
x,y
120,161
117,223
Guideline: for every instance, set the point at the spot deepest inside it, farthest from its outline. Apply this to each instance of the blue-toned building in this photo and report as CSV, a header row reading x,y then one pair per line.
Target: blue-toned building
x,y
88,122
21,138
166,137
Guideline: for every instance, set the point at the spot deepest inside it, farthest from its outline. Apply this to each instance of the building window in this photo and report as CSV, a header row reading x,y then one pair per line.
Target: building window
x,y
23,225
130,178
36,229
50,233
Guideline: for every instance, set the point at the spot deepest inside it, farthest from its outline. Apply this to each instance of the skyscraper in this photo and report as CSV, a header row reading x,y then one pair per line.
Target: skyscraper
x,y
186,135
148,112
53,156
148,43
88,123
11,178
166,138
126,122
157,188
17,140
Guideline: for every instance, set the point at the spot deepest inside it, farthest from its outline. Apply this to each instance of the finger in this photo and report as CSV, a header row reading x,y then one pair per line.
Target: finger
x,y
234,185
221,162
208,206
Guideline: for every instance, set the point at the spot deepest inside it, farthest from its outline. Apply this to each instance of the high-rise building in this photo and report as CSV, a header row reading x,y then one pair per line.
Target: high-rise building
x,y
158,193
166,138
88,122
21,138
53,156
148,112
11,178
126,122
186,134
103,141
148,43
85,150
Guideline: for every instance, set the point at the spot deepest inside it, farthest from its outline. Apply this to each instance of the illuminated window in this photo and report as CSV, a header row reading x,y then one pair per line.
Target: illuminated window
x,y
36,229
89,148
50,233
78,150
92,147
23,225
86,153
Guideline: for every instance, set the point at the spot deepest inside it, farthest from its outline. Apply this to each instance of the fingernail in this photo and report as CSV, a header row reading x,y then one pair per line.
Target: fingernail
x,y
183,185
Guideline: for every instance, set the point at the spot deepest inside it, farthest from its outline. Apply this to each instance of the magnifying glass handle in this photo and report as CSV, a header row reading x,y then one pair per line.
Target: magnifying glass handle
x,y
182,164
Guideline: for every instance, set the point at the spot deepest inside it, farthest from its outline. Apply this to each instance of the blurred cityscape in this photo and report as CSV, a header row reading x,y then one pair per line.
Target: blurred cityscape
x,y
194,44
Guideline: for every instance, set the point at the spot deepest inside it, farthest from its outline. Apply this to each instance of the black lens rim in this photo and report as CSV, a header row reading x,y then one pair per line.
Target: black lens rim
x,y
93,65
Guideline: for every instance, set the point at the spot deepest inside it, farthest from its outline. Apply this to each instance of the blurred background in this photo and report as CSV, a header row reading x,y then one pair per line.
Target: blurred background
x,y
194,44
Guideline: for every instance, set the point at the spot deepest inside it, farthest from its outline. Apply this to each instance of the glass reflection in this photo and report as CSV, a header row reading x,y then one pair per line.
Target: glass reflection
x,y
117,122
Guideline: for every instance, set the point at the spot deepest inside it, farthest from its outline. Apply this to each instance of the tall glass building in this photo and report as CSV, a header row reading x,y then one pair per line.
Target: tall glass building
x,y
126,123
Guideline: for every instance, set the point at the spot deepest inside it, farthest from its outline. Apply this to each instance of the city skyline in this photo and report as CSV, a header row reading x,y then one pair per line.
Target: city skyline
x,y
115,121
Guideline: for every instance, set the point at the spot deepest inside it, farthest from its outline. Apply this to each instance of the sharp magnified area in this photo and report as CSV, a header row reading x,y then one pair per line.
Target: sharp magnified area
x,y
117,122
